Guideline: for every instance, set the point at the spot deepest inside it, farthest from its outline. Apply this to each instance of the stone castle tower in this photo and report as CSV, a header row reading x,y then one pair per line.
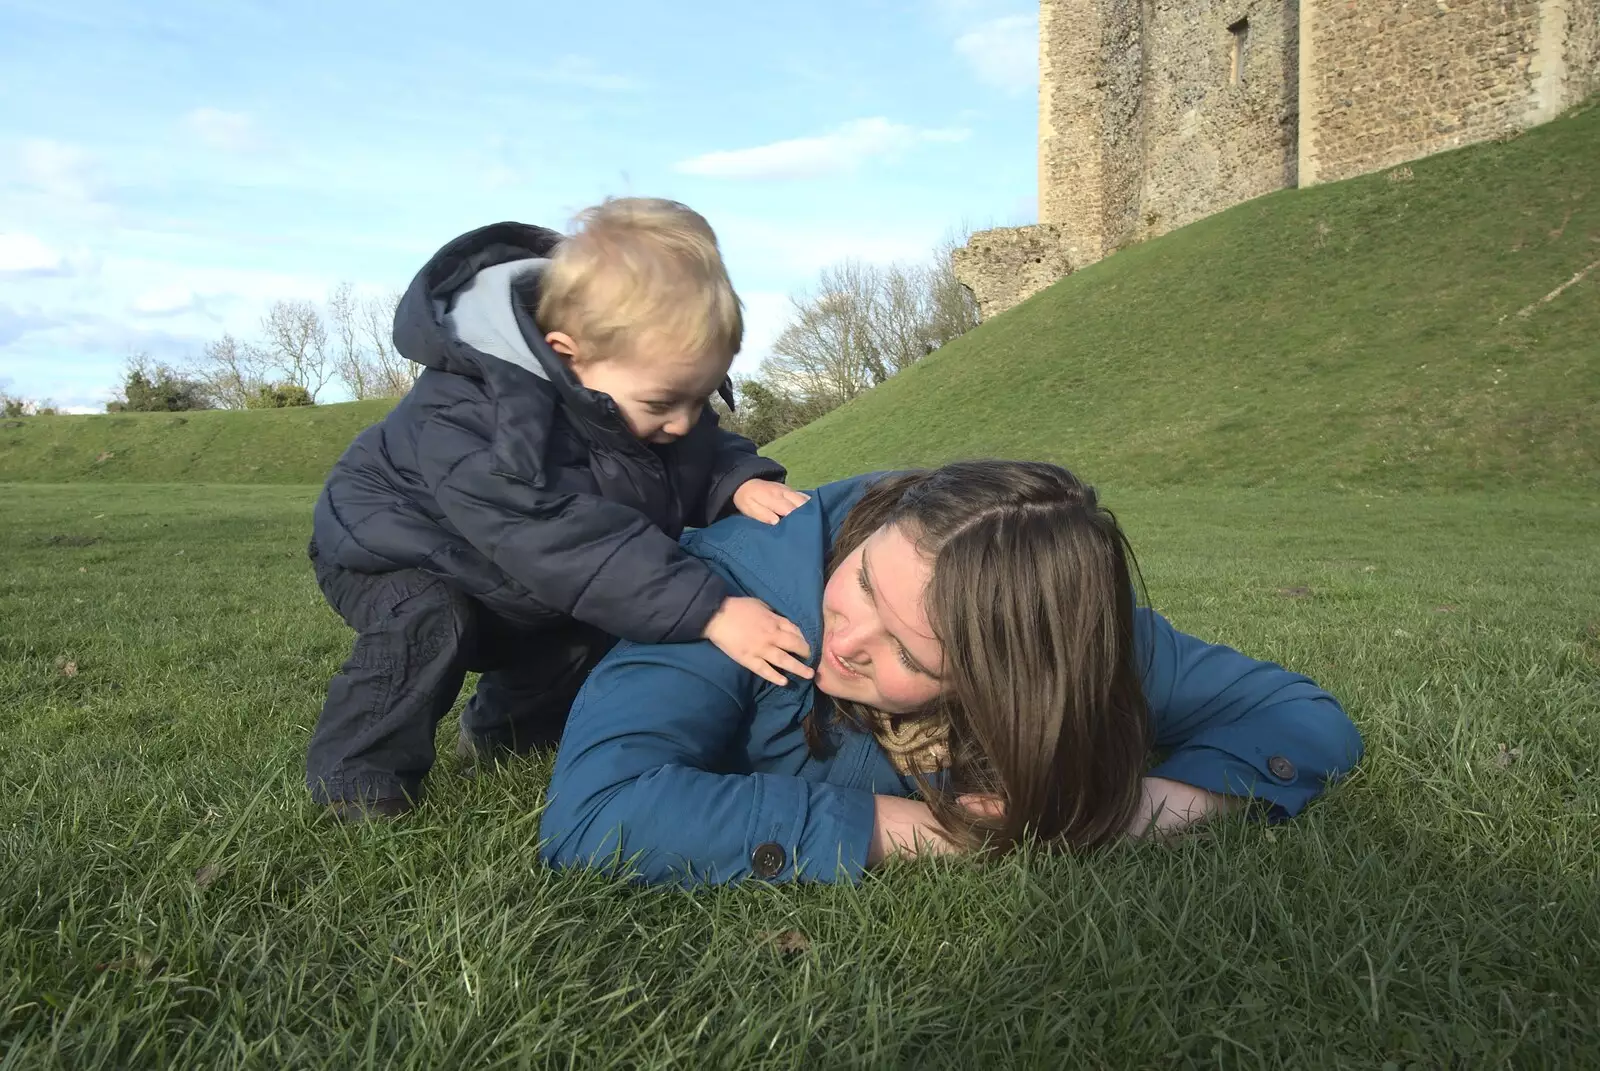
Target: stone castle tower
x,y
1155,113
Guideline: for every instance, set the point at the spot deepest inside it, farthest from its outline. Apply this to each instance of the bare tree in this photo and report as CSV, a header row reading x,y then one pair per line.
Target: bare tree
x,y
304,349
920,307
232,372
393,373
952,310
862,324
865,323
830,351
363,347
900,315
349,358
296,343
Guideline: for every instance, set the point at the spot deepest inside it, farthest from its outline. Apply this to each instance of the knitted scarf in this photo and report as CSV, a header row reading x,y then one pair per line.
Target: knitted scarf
x,y
914,745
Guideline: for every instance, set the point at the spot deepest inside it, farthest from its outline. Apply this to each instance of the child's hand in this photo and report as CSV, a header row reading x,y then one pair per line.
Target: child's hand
x,y
765,500
759,640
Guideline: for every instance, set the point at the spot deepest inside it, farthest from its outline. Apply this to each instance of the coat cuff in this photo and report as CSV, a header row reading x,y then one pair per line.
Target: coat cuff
x,y
806,831
691,627
1285,785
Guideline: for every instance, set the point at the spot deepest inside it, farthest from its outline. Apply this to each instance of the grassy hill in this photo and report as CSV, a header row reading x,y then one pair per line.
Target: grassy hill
x,y
1390,332
1370,332
255,446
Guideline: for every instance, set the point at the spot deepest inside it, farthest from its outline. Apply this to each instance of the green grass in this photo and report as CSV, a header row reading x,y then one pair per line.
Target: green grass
x,y
274,446
168,897
1328,389
1365,333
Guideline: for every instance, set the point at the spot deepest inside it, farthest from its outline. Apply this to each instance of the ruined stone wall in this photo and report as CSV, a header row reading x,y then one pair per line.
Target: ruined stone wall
x,y
1008,265
1212,137
1387,81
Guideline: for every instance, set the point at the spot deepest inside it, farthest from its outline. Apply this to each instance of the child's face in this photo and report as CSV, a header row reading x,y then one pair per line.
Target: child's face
x,y
658,390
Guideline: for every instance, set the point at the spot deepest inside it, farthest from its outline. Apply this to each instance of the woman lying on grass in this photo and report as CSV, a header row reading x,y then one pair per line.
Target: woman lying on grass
x,y
982,672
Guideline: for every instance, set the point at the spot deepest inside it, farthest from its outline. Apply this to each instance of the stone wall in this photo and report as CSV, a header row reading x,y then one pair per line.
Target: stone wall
x,y
1006,266
1124,60
1214,137
1392,80
1582,50
1145,126
1072,94
1156,113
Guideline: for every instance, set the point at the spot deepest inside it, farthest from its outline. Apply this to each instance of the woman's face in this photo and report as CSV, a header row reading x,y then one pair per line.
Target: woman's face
x,y
877,646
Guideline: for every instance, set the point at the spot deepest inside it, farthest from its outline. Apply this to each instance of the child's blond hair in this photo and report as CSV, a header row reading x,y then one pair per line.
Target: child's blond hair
x,y
637,267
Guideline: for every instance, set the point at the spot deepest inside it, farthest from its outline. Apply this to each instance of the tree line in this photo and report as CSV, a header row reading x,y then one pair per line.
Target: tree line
x,y
13,406
860,324
300,349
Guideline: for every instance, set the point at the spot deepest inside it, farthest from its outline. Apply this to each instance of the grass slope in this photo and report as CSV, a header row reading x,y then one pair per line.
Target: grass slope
x,y
1366,333
168,897
255,446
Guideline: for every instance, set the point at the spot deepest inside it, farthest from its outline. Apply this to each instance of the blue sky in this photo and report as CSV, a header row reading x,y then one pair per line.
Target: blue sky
x,y
168,170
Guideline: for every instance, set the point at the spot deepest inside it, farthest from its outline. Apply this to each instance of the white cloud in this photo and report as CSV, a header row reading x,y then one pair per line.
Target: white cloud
x,y
57,169
18,322
228,131
1004,52
581,71
166,300
75,358
801,249
152,285
960,12
841,150
25,254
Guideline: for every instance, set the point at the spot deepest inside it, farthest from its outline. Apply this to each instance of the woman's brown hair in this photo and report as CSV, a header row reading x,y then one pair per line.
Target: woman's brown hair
x,y
1032,598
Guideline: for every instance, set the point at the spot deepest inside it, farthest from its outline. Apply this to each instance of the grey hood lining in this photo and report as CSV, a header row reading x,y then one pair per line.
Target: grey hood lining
x,y
483,317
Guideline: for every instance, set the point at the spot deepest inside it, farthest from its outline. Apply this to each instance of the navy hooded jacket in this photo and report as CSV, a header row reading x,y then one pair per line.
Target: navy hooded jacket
x,y
692,769
502,474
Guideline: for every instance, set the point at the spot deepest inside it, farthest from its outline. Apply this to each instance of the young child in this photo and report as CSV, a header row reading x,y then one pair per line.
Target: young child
x,y
520,508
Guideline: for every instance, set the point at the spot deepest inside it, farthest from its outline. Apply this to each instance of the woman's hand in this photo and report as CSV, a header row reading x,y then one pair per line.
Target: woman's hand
x,y
1172,806
905,828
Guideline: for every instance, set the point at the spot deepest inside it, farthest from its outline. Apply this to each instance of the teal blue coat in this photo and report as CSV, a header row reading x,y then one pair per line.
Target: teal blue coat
x,y
691,769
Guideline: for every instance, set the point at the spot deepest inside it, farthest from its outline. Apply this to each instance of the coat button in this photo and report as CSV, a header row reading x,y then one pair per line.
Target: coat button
x,y
767,860
1281,768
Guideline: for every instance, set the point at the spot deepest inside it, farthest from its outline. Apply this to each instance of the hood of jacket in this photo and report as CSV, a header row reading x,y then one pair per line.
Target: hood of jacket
x,y
469,312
